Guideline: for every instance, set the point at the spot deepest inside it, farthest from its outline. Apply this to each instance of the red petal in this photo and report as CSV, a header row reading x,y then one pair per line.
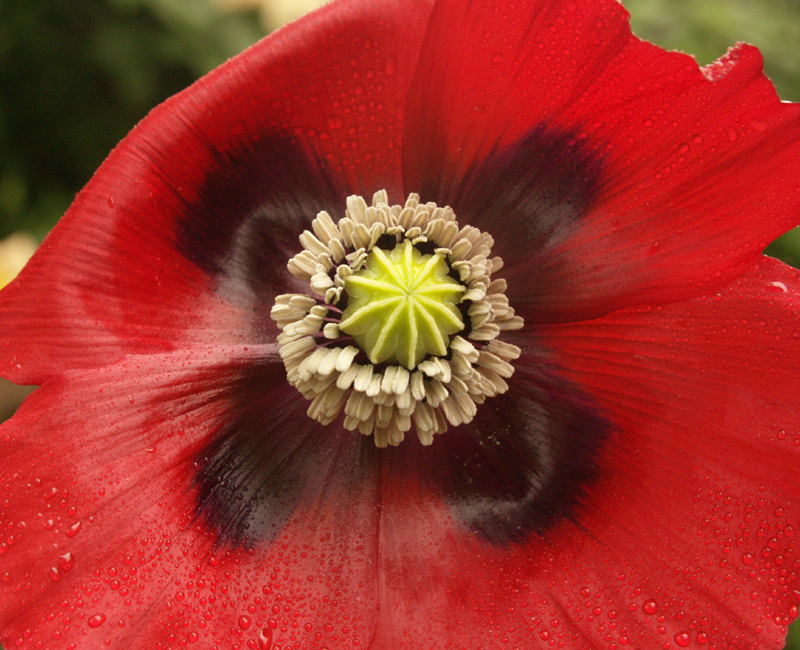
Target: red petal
x,y
100,545
271,135
680,150
688,537
701,481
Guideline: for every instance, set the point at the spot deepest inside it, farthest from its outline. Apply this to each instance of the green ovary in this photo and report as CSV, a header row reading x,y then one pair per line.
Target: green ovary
x,y
402,306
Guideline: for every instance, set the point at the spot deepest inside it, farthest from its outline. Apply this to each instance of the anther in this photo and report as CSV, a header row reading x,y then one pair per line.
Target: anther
x,y
392,341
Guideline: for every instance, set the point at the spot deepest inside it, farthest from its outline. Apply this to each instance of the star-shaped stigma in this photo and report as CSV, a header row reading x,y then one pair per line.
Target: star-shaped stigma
x,y
402,306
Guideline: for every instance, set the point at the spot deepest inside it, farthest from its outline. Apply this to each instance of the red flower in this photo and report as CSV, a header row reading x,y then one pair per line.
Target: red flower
x,y
635,486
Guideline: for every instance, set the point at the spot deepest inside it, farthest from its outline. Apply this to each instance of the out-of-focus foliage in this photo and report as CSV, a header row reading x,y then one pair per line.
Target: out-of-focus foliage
x,y
272,13
15,251
76,75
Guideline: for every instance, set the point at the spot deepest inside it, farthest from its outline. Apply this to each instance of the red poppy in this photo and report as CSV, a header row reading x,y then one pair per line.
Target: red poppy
x,y
633,481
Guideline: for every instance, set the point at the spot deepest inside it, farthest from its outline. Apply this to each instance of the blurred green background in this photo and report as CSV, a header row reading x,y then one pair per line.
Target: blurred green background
x,y
76,75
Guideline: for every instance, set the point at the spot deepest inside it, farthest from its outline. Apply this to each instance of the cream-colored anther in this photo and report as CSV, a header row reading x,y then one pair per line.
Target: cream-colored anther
x,y
387,400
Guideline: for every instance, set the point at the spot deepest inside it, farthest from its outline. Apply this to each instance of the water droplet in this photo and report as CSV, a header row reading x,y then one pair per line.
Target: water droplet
x,y
683,148
682,639
391,66
245,621
733,134
334,122
73,530
265,639
586,592
54,574
497,58
96,621
111,202
193,637
650,607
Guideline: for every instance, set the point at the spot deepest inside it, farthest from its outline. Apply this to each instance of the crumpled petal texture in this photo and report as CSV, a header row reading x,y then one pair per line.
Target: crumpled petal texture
x,y
636,487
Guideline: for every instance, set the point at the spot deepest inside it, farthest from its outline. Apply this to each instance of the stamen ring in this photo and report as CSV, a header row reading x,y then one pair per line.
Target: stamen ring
x,y
427,383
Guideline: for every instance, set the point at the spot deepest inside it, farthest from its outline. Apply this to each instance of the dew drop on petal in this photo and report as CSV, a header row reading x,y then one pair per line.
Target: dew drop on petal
x,y
96,621
682,639
391,66
66,561
334,122
54,573
650,607
73,530
245,621
265,639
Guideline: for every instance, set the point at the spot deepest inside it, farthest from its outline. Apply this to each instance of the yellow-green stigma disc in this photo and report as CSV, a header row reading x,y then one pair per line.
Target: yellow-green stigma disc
x,y
402,306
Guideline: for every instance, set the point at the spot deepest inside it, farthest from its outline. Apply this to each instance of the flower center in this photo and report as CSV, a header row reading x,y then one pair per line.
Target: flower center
x,y
391,337
402,306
